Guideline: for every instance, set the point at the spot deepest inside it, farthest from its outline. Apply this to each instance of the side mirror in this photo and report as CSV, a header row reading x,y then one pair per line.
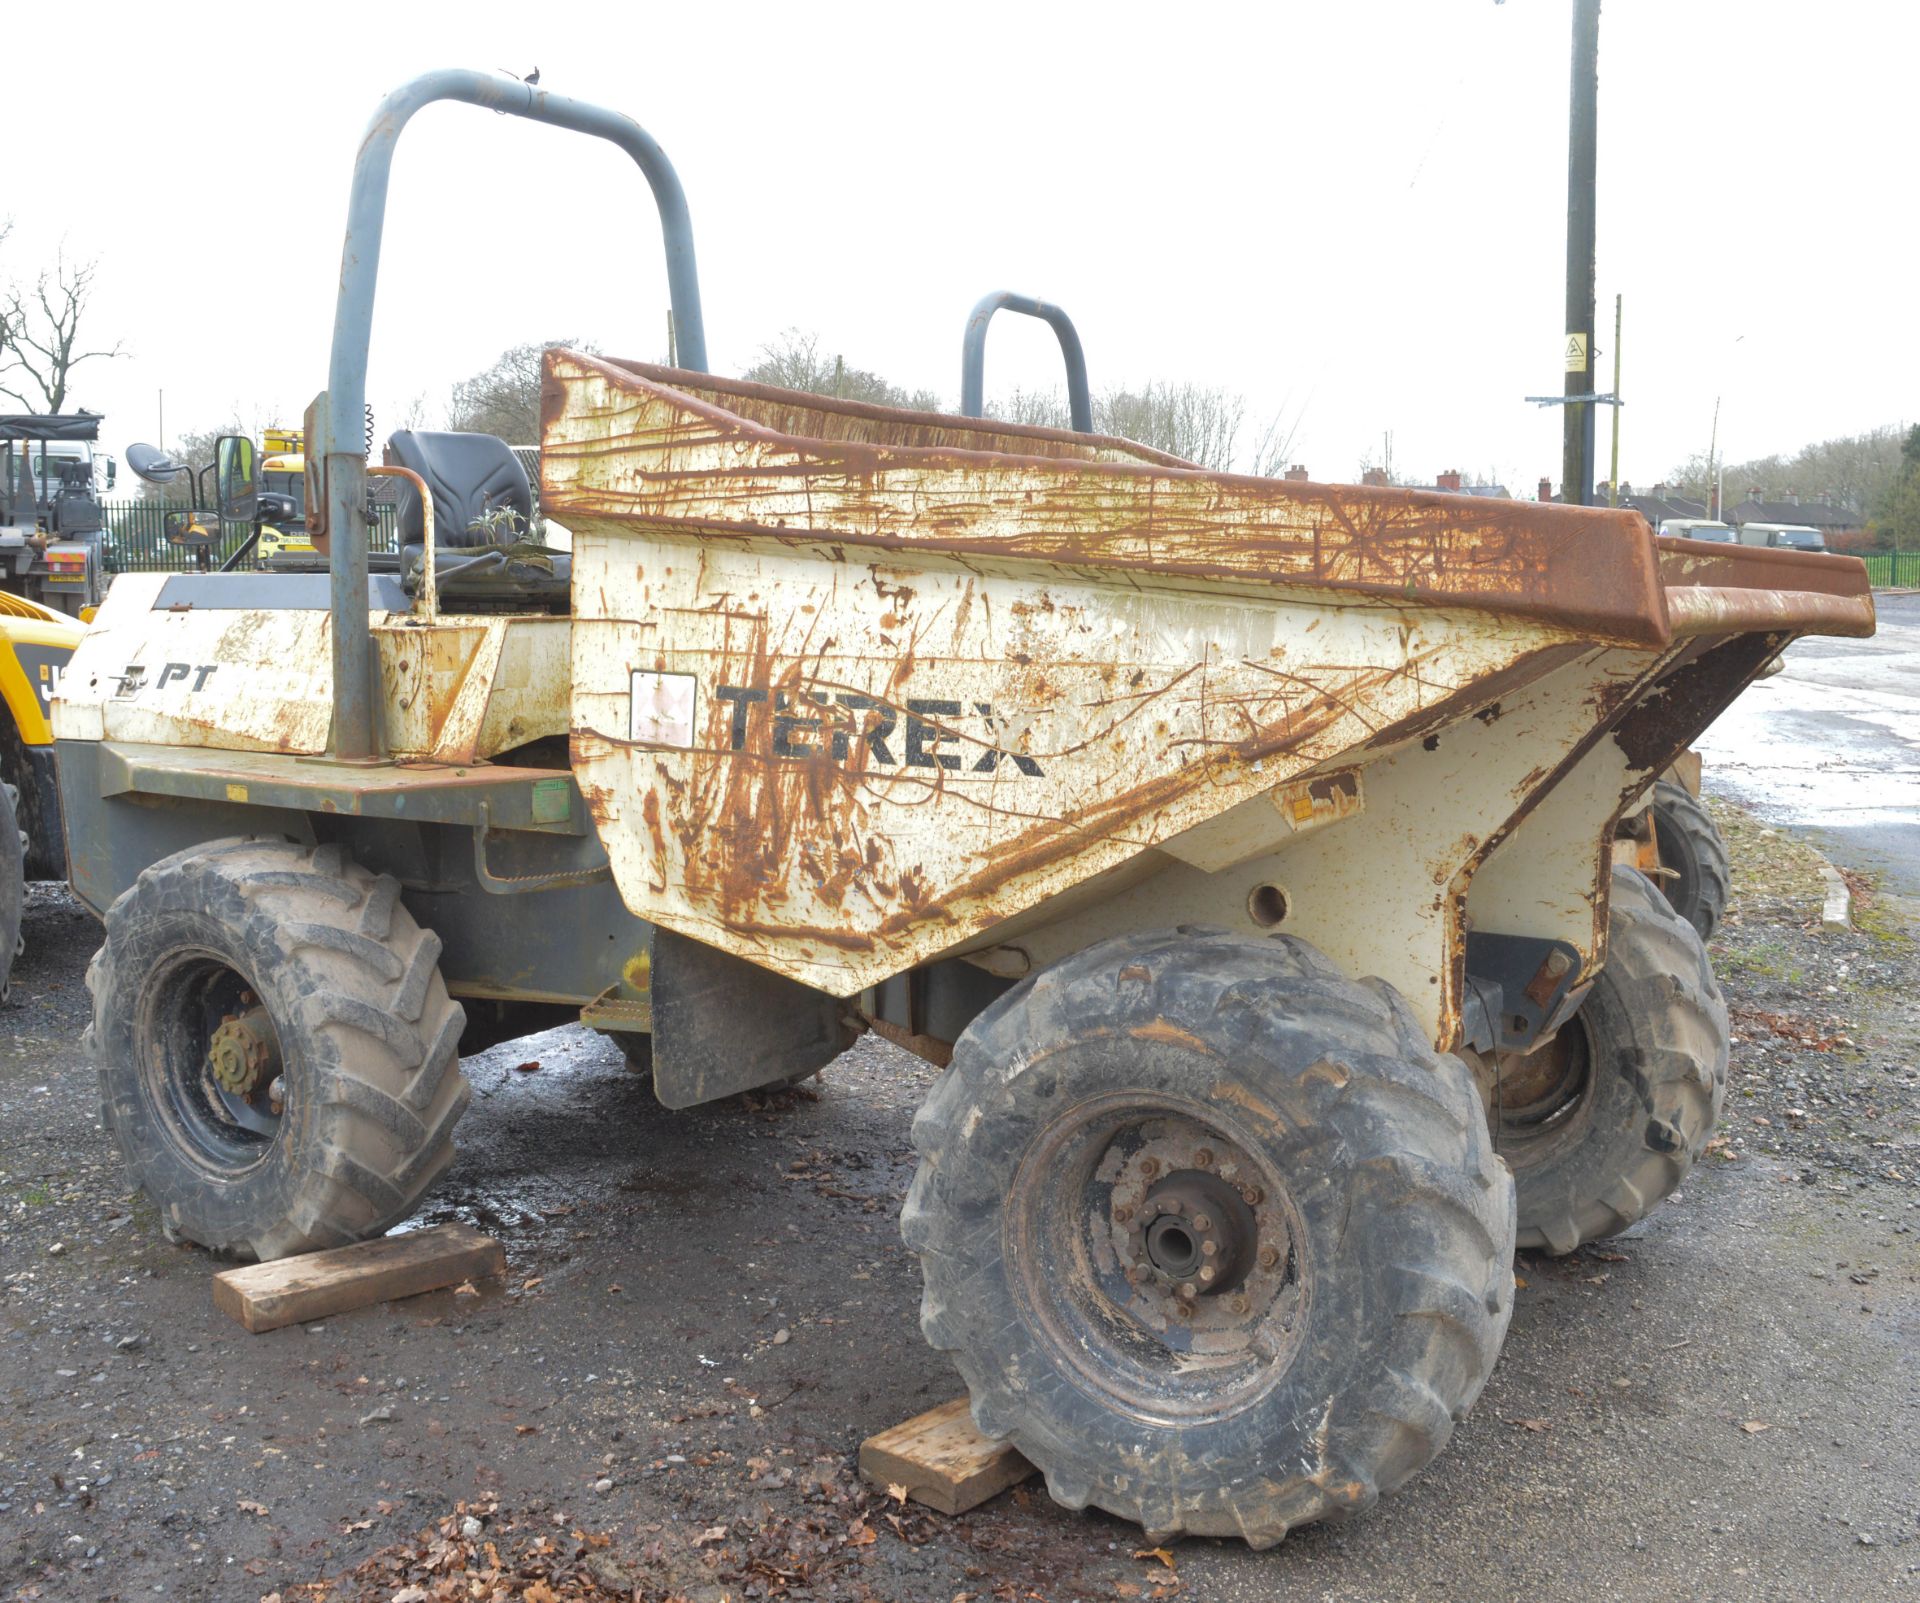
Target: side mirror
x,y
150,463
185,530
235,478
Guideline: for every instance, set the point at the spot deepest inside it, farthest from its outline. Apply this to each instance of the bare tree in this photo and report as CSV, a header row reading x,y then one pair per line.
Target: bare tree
x,y
1195,421
505,399
1855,471
1046,409
40,334
795,361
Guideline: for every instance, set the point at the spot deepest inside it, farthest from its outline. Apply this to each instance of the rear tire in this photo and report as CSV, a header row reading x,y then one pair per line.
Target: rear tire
x,y
348,1014
1635,1090
1690,847
1369,1273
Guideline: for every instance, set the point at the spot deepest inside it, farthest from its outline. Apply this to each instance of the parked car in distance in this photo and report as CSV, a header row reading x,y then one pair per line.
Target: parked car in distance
x,y
1698,529
1788,536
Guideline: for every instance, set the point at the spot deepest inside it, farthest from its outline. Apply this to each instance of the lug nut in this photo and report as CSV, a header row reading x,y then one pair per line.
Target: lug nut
x,y
1238,1305
1173,1205
1202,1222
1189,1290
1149,1166
1253,1196
1136,1274
1122,1214
1203,1159
1210,1248
1206,1272
1269,1257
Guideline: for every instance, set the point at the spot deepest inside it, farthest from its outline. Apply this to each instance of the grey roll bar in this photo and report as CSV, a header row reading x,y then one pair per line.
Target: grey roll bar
x,y
342,446
973,354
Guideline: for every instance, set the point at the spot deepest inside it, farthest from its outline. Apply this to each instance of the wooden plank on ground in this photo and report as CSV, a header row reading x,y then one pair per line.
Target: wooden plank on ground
x,y
290,1291
942,1460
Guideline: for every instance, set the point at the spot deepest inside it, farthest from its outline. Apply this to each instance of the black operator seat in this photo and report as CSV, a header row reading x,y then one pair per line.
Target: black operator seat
x,y
469,476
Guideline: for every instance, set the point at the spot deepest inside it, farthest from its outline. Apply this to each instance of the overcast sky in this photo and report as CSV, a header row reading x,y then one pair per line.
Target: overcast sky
x,y
1350,211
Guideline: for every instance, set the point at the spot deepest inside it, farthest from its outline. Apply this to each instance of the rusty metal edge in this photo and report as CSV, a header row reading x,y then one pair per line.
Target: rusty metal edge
x,y
682,382
424,795
1722,610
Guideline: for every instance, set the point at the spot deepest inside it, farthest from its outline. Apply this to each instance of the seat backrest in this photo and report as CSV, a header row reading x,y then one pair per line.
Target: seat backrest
x,y
469,476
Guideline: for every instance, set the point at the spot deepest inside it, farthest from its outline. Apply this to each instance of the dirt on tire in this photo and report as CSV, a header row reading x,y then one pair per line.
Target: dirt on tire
x,y
1404,1232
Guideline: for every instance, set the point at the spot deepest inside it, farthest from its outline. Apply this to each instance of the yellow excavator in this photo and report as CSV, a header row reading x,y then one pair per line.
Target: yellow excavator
x,y
35,643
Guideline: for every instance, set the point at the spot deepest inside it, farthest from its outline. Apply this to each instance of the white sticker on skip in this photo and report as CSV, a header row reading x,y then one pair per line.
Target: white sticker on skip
x,y
662,709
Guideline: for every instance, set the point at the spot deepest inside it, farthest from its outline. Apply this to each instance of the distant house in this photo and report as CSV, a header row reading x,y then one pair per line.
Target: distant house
x,y
1449,484
1822,515
1661,503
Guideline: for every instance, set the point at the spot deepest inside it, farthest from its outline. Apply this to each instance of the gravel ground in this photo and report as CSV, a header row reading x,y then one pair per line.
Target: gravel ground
x,y
706,1313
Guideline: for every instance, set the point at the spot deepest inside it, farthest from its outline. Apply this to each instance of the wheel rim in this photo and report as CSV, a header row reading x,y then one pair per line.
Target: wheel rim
x,y
1118,1209
1542,1100
209,1060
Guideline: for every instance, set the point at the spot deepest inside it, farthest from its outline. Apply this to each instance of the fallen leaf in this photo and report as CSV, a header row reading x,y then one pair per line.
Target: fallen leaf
x,y
713,1533
861,1534
1519,1283
259,1509
526,1430
1754,1427
1160,1553
355,1525
415,1594
1534,1424
466,1288
897,1492
540,1592
531,1066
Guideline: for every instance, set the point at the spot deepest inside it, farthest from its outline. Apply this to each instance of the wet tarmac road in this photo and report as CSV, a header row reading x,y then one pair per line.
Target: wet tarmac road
x,y
1831,745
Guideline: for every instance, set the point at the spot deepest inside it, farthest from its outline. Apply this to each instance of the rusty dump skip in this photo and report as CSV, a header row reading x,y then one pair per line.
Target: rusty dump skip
x,y
694,454
852,687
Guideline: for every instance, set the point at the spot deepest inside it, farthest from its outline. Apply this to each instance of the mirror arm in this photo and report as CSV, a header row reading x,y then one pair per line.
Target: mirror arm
x,y
244,547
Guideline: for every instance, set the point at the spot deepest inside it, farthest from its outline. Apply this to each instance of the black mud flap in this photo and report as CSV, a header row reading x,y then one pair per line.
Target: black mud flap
x,y
721,1025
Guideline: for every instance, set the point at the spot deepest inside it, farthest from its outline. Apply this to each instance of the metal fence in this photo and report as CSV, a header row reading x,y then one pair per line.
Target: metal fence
x,y
1893,570
136,539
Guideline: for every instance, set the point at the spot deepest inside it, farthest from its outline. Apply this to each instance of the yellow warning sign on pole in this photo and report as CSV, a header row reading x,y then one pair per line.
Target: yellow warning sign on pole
x,y
1576,353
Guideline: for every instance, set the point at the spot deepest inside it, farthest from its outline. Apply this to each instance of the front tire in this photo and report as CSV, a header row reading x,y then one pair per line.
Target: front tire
x,y
1163,1106
1603,1123
277,1050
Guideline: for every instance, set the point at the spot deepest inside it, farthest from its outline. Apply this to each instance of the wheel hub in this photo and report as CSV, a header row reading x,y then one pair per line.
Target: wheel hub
x,y
1206,1252
1195,1233
244,1054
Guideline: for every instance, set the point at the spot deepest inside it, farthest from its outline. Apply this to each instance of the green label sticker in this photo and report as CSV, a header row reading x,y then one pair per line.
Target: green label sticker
x,y
552,801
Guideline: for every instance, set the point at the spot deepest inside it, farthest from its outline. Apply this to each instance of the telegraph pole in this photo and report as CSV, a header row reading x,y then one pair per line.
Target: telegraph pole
x,y
1576,466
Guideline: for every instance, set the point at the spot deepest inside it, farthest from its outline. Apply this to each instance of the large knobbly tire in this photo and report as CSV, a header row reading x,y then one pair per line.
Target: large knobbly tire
x,y
13,884
1382,1233
1641,1074
1693,852
366,1037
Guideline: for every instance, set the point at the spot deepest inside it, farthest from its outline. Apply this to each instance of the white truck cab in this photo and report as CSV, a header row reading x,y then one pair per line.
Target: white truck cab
x,y
1788,536
1698,529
